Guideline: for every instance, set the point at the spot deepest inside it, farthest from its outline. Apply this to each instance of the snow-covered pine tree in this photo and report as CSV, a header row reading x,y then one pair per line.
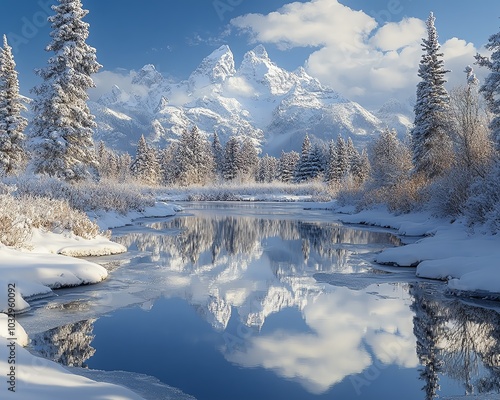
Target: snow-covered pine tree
x,y
390,159
339,161
316,164
352,154
202,161
287,165
124,163
61,137
250,158
12,123
360,168
232,159
330,165
303,164
430,139
167,164
267,170
108,162
218,154
145,167
491,86
194,160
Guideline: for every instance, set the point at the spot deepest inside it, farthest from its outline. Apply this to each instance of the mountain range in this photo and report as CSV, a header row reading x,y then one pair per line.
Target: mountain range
x,y
272,106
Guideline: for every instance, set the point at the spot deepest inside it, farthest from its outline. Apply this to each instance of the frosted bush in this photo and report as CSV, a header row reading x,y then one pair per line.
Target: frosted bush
x,y
88,195
483,205
18,215
14,226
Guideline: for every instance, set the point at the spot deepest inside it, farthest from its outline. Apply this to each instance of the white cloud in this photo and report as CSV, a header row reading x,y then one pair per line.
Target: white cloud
x,y
106,80
355,322
239,86
366,62
308,24
394,36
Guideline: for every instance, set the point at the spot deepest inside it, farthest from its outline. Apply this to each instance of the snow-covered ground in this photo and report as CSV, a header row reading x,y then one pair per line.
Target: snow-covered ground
x,y
48,264
468,261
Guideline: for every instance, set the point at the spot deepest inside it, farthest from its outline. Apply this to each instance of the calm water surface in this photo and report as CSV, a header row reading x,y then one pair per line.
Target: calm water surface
x,y
267,301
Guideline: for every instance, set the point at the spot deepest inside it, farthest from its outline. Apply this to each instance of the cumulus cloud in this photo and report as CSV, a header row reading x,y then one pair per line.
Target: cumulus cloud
x,y
357,323
105,81
354,54
239,86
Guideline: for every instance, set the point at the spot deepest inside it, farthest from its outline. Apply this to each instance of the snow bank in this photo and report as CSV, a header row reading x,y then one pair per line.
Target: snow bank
x,y
469,262
50,264
415,224
41,379
68,244
113,219
37,273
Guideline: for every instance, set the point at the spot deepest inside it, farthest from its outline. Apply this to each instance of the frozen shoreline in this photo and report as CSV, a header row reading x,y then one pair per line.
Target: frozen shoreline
x,y
50,263
450,252
443,253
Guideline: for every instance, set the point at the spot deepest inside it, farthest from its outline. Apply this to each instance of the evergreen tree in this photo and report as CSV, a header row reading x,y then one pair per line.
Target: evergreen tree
x,y
62,144
218,154
108,162
491,86
360,168
352,154
12,123
250,159
331,158
167,164
194,159
145,167
431,143
267,170
303,164
316,164
339,166
390,159
124,163
287,165
232,159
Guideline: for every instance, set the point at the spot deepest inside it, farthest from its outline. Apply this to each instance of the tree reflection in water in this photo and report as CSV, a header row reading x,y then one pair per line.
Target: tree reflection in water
x,y
456,339
258,266
68,345
220,236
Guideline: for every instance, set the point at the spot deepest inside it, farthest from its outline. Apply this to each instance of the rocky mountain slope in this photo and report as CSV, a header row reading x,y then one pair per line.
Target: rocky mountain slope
x,y
258,99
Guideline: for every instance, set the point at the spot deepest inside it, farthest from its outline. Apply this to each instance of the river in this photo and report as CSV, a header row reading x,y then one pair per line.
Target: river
x,y
270,301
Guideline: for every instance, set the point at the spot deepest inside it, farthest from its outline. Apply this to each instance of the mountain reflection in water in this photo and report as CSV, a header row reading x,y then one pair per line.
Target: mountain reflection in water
x,y
239,294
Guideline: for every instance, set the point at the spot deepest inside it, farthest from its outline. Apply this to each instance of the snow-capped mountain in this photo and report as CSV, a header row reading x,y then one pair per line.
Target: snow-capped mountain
x,y
258,99
397,115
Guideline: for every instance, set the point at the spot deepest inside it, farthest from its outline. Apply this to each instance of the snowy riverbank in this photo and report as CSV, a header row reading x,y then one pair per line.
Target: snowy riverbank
x,y
48,263
468,261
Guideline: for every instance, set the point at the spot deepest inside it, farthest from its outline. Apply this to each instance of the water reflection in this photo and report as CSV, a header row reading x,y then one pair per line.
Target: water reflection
x,y
255,295
349,332
324,246
456,340
68,345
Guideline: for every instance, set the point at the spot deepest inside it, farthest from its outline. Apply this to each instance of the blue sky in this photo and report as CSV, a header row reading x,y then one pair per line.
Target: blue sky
x,y
342,46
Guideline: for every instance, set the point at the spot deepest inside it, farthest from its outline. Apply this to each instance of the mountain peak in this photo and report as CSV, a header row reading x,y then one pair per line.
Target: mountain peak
x,y
148,76
260,52
215,68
